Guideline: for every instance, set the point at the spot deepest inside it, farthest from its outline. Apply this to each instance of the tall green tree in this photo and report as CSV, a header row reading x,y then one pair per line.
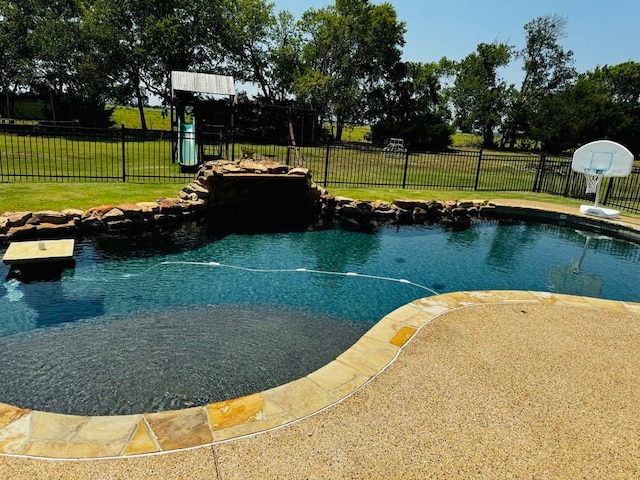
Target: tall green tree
x,y
261,47
603,103
623,83
178,36
548,68
350,48
60,63
285,55
116,31
246,26
579,113
142,41
412,106
16,20
479,93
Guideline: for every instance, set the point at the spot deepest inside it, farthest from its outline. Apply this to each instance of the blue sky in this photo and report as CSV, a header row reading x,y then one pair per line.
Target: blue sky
x,y
598,32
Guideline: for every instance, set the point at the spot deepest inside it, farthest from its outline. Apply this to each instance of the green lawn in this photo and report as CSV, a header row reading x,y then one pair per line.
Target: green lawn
x,y
62,167
81,157
130,117
34,196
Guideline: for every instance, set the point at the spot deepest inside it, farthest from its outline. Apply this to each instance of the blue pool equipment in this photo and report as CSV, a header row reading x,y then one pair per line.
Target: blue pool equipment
x,y
187,155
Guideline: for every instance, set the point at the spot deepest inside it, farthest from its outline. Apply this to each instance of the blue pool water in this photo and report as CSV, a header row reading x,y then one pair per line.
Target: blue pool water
x,y
177,319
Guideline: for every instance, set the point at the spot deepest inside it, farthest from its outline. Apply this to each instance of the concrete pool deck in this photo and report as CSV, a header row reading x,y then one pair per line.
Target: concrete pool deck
x,y
467,384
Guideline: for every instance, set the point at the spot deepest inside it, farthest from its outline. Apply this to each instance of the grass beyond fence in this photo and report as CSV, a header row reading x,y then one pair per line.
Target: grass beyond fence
x,y
81,154
37,152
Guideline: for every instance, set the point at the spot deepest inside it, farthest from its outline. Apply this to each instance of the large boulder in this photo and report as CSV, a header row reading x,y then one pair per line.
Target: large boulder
x,y
149,208
57,229
113,215
97,212
51,217
130,210
17,219
170,206
23,232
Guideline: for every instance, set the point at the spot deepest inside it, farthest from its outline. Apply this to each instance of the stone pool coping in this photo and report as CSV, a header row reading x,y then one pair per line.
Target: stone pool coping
x,y
30,433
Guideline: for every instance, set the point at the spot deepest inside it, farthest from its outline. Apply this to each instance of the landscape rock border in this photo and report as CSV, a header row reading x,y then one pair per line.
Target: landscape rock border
x,y
195,201
132,217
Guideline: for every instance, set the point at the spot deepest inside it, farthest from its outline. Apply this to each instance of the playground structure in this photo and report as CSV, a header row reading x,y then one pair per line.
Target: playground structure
x,y
204,127
602,158
197,140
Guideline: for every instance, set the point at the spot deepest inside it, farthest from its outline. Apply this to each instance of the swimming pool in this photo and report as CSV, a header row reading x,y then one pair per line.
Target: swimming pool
x,y
168,320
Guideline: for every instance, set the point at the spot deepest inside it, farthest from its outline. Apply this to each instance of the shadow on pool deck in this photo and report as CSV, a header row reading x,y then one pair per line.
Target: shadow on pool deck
x,y
485,385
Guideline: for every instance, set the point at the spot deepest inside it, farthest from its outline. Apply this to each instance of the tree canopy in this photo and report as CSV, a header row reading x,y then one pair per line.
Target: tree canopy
x,y
479,94
350,49
343,61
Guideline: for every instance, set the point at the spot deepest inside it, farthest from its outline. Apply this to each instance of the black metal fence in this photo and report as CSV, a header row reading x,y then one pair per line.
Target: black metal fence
x,y
71,153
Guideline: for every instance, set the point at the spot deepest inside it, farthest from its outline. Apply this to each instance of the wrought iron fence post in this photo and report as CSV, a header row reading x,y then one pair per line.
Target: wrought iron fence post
x,y
570,177
537,182
233,146
608,192
406,167
475,185
326,163
124,171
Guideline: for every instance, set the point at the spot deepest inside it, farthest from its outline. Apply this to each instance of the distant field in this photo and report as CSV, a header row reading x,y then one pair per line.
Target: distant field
x,y
130,117
358,133
354,133
466,140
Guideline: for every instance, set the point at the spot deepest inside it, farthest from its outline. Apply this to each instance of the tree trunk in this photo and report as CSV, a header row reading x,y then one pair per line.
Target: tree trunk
x,y
143,121
487,136
339,128
510,134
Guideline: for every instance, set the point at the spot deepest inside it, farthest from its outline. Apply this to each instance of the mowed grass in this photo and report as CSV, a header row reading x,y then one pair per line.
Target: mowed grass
x,y
64,169
85,157
156,118
36,196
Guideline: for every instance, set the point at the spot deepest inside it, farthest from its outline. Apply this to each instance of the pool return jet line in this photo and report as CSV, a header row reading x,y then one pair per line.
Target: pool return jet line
x,y
302,270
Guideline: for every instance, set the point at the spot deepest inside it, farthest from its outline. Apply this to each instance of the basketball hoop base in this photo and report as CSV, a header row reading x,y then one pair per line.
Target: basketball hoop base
x,y
599,211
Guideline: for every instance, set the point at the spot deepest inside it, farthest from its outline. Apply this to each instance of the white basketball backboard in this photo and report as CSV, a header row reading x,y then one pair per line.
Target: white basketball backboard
x,y
607,158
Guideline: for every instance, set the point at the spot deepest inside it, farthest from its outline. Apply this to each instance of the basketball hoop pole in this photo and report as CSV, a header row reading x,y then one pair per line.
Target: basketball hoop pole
x,y
598,176
595,204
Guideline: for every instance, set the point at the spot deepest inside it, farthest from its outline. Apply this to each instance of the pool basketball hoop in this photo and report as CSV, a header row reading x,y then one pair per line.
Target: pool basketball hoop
x,y
602,158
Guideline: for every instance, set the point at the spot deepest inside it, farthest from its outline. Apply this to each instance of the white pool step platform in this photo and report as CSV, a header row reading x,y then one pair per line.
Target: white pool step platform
x,y
40,251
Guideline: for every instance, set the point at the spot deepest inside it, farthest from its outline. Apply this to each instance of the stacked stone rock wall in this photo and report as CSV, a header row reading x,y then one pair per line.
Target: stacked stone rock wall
x,y
73,222
195,200
404,211
192,202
